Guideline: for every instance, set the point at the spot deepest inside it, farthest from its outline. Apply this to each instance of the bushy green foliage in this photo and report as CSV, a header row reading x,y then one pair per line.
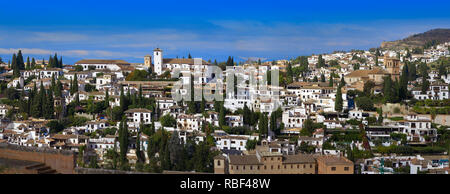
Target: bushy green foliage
x,y
168,121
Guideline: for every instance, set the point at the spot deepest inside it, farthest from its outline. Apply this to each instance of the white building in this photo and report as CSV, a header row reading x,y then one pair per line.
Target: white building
x,y
137,116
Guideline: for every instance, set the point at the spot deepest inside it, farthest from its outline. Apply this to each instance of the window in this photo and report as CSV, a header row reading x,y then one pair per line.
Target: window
x,y
218,162
333,168
346,168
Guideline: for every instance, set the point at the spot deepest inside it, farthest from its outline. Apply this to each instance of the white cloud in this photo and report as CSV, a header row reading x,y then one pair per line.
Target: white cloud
x,y
238,38
72,53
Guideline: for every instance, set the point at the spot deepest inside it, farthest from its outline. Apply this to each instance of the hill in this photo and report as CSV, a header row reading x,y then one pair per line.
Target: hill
x,y
419,40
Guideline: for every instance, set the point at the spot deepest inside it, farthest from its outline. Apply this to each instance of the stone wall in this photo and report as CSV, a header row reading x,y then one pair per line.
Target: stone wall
x,y
63,161
79,170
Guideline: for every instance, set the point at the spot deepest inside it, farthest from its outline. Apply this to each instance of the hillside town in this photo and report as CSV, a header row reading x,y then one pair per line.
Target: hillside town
x,y
376,111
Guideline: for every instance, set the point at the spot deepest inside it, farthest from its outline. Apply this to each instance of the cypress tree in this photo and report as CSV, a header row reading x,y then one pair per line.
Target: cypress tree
x,y
342,82
263,124
22,103
387,89
20,61
43,100
55,61
123,101
222,115
338,103
330,83
50,62
35,106
191,104
404,82
33,63
58,89
75,83
71,87
141,97
425,85
28,65
60,62
321,62
123,141
442,69
139,154
16,71
14,66
106,98
49,106
412,71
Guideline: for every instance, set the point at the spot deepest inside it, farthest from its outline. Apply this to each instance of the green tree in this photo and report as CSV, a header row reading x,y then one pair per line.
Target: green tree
x,y
368,86
342,84
123,101
168,121
123,142
139,155
315,79
28,64
263,124
222,114
424,86
20,61
365,103
388,89
33,63
321,62
176,151
442,69
307,128
404,83
330,82
338,103
251,144
412,74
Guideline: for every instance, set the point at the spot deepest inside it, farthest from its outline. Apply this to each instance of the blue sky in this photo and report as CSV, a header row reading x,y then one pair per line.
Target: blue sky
x,y
208,29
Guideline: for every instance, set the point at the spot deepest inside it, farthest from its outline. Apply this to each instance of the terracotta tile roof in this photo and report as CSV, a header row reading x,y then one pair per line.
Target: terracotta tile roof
x,y
359,73
244,160
333,160
101,61
138,110
298,158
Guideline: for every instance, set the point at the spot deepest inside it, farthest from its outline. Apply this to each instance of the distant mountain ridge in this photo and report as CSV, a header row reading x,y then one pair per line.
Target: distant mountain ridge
x,y
419,40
